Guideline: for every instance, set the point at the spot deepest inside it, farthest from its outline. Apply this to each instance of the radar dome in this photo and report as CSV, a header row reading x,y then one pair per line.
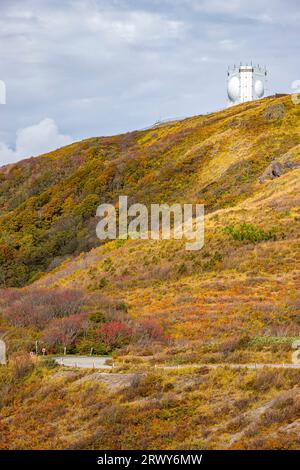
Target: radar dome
x,y
233,89
259,88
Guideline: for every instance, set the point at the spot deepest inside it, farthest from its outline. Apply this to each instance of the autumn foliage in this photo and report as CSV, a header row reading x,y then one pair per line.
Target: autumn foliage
x,y
64,331
36,307
115,333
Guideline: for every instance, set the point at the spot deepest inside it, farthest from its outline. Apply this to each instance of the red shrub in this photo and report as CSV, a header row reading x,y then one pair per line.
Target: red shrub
x,y
149,330
115,334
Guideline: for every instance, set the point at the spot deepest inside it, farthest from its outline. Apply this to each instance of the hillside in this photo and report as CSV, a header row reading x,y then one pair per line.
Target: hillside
x,y
152,302
47,204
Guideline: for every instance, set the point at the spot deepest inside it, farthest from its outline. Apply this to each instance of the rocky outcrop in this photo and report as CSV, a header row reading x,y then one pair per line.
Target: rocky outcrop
x,y
274,111
279,166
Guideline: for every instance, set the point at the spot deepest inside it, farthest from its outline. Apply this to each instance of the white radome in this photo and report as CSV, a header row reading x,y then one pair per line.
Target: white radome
x,y
233,89
259,88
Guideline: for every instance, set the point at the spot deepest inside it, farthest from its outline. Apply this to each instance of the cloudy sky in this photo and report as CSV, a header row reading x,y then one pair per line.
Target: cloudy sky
x,y
80,68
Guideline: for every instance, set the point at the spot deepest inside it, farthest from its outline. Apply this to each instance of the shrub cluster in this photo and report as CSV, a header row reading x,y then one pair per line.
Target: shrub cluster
x,y
248,233
66,318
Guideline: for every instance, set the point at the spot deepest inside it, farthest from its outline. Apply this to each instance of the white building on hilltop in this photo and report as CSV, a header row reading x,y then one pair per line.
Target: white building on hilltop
x,y
245,83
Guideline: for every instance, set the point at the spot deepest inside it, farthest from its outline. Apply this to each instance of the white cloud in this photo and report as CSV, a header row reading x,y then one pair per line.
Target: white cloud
x,y
219,6
34,140
7,155
228,45
135,27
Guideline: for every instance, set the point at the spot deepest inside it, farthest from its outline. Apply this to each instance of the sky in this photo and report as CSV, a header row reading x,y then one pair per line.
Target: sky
x,y
75,69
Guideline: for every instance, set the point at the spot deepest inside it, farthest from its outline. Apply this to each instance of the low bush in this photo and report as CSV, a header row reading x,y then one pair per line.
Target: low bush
x,y
249,233
266,379
233,344
142,386
22,364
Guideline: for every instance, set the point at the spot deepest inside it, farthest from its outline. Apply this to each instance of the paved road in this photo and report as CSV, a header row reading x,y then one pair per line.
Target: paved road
x,y
233,366
85,362
99,362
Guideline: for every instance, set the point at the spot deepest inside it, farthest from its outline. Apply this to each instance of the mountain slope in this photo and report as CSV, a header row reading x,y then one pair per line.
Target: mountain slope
x,y
243,163
248,286
47,204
